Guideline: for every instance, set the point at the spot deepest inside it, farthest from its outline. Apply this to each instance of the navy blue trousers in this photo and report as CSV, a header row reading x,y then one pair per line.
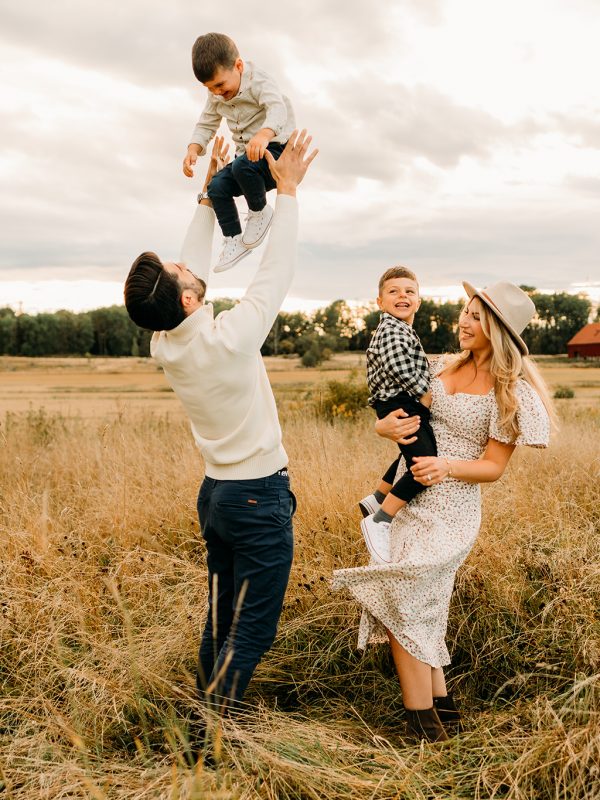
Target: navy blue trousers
x,y
247,527
252,179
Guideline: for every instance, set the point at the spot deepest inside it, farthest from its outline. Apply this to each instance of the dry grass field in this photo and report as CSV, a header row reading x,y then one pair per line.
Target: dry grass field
x,y
95,386
102,598
92,386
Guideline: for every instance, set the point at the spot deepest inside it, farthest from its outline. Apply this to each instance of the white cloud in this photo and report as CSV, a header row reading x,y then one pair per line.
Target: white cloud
x,y
460,138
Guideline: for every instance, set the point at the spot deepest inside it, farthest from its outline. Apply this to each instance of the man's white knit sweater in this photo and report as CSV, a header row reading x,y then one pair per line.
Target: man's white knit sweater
x,y
214,364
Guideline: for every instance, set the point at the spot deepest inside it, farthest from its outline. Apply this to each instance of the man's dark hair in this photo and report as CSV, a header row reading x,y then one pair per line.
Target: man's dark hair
x,y
211,51
153,295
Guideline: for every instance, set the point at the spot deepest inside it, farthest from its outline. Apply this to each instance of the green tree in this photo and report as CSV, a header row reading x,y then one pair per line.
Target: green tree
x,y
559,317
364,330
37,335
436,325
286,330
337,321
312,357
113,331
306,342
74,333
7,331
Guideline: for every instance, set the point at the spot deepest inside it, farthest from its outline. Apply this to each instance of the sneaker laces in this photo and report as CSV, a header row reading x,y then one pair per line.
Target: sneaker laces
x,y
228,244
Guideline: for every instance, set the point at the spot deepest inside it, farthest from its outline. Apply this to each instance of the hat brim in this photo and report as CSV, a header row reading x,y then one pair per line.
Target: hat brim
x,y
473,292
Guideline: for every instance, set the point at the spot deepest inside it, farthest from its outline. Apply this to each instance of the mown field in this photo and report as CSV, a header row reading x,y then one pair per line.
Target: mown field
x,y
102,599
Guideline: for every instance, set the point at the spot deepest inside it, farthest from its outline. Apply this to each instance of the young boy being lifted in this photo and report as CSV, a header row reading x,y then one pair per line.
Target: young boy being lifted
x,y
260,118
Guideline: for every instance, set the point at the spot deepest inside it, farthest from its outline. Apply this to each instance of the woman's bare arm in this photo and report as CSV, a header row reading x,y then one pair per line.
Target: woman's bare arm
x,y
430,470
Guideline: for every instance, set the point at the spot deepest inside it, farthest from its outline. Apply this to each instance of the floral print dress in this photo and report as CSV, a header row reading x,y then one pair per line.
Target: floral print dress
x,y
434,533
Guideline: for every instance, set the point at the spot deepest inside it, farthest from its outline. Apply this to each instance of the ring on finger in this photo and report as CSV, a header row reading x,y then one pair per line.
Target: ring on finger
x,y
429,478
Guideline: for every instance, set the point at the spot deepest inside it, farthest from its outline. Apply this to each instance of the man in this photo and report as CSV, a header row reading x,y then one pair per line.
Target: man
x,y
214,365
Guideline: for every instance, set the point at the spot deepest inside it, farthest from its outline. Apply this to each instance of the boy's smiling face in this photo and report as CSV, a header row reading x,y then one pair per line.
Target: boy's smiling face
x,y
400,298
225,83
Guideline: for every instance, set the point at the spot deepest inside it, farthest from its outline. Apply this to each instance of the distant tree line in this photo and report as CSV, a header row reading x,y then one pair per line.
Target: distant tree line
x,y
314,337
559,317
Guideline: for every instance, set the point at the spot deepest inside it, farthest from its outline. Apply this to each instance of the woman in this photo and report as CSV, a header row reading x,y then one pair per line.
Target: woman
x,y
487,400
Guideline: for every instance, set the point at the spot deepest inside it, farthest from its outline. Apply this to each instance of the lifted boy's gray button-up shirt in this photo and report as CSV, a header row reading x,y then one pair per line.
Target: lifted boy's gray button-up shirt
x,y
258,104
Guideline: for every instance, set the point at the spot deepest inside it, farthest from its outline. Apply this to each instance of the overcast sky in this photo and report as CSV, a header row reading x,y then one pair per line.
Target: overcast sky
x,y
458,137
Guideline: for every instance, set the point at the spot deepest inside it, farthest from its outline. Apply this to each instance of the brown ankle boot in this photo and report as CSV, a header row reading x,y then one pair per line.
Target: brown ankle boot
x,y
449,715
424,724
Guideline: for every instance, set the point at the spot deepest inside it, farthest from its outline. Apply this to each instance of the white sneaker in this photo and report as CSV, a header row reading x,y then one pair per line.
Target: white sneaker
x,y
257,226
232,252
369,505
377,538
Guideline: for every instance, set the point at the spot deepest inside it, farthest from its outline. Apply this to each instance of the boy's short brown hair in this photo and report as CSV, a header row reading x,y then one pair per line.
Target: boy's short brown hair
x,y
211,51
397,272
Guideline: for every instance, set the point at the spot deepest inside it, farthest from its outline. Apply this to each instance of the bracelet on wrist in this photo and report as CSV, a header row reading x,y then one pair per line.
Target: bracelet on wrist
x,y
449,473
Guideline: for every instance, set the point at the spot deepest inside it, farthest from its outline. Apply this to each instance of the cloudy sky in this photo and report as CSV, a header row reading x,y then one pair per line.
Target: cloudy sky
x,y
458,137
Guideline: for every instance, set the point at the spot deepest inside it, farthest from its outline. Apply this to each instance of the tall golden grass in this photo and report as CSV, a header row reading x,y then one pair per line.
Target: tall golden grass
x,y
103,596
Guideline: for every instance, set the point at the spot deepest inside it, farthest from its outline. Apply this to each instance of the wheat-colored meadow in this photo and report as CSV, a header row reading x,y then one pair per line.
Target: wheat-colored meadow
x,y
103,596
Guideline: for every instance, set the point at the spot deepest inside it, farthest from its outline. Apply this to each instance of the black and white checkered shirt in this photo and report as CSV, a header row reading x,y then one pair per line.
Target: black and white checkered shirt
x,y
396,361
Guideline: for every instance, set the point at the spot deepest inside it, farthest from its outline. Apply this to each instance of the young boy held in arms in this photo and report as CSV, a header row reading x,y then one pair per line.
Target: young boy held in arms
x,y
260,118
398,377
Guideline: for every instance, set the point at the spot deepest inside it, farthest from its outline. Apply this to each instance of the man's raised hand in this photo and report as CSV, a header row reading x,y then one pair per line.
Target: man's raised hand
x,y
289,169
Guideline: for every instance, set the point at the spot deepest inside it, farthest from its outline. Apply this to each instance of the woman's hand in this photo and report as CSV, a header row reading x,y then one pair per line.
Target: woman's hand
x,y
398,427
429,470
218,159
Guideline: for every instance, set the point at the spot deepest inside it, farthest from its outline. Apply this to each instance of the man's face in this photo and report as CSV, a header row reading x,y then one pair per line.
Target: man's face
x,y
185,277
400,298
225,83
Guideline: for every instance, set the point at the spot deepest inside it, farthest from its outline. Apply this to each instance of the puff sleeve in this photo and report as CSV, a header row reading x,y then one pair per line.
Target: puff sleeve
x,y
534,423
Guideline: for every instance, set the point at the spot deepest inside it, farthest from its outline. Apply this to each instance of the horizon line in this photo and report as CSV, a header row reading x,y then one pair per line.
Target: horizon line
x,y
50,296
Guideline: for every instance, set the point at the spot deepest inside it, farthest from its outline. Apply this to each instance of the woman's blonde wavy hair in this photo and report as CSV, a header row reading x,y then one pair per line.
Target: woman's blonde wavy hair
x,y
507,365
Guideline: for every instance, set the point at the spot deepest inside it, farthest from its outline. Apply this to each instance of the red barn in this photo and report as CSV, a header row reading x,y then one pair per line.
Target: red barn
x,y
585,343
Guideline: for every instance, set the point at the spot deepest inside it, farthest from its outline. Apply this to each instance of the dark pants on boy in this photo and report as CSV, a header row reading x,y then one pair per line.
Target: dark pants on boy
x,y
407,487
253,179
247,527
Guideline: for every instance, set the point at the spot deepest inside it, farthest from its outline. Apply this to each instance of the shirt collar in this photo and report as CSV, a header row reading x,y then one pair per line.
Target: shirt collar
x,y
246,77
386,316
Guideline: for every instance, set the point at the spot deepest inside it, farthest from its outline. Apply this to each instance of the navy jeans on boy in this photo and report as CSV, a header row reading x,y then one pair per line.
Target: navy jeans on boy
x,y
252,179
247,527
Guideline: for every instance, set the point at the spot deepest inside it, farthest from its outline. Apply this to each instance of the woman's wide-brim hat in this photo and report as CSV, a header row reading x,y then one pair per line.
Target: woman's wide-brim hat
x,y
513,307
